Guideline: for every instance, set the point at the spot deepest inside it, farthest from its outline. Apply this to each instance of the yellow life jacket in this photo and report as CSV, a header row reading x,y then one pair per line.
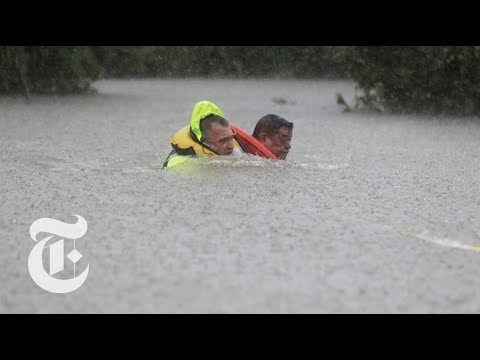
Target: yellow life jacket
x,y
186,141
184,146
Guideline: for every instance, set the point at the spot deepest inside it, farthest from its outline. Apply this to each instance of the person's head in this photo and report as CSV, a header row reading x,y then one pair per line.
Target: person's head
x,y
217,134
209,127
275,133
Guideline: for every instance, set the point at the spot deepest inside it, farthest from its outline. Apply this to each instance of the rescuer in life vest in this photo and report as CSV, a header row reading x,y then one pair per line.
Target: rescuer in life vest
x,y
208,134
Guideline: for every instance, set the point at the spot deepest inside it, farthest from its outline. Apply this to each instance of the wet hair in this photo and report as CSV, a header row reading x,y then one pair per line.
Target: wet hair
x,y
270,124
207,122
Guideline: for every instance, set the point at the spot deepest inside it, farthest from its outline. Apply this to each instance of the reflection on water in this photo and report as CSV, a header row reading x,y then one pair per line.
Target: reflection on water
x,y
369,213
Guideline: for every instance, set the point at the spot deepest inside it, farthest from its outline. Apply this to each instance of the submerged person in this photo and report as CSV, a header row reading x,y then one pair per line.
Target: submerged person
x,y
208,134
275,133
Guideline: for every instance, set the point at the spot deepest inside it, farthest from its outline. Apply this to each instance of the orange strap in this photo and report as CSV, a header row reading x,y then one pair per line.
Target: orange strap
x,y
250,144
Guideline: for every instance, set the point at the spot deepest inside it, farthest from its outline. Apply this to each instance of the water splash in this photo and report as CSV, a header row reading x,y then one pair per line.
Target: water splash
x,y
322,165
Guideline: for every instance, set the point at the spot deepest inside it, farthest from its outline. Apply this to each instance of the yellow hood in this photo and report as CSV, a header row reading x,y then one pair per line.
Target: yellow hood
x,y
201,110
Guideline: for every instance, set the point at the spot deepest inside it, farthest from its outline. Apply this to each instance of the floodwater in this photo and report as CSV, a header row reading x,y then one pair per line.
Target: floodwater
x,y
369,214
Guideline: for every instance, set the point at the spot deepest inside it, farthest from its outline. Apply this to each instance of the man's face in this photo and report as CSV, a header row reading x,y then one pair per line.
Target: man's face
x,y
220,139
278,143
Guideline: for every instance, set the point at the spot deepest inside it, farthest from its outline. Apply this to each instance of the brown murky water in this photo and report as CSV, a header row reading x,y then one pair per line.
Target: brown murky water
x,y
369,214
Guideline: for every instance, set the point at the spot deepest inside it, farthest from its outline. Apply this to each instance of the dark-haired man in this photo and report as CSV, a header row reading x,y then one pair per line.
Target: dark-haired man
x,y
275,133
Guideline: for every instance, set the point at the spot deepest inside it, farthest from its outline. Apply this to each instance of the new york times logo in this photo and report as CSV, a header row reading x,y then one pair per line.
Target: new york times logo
x,y
57,254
